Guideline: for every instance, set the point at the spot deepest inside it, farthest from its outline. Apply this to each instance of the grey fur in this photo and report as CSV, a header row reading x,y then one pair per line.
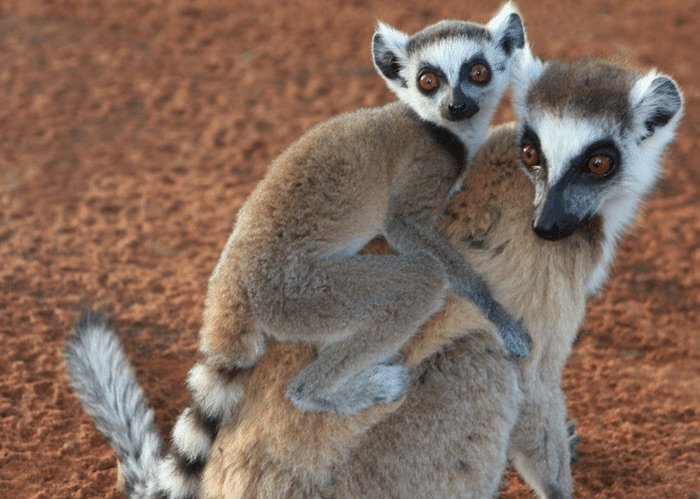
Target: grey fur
x,y
588,87
574,440
290,269
378,384
444,30
106,385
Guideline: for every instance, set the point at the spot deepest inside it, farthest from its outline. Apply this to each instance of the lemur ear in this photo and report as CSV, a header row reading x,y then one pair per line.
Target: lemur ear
x,y
507,29
657,105
526,71
389,53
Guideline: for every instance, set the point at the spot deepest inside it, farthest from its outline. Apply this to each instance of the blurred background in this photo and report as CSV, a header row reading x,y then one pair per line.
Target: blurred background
x,y
131,131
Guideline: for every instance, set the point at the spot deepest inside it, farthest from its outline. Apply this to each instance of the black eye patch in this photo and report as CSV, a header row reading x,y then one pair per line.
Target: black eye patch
x,y
425,69
465,70
606,148
530,137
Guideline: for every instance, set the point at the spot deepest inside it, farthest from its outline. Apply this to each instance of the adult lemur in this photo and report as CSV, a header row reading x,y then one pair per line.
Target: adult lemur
x,y
290,269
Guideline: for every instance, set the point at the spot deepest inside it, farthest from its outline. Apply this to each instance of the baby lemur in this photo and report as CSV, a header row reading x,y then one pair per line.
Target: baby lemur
x,y
290,269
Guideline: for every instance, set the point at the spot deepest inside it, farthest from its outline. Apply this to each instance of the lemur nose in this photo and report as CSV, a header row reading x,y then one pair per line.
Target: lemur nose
x,y
461,110
553,232
457,108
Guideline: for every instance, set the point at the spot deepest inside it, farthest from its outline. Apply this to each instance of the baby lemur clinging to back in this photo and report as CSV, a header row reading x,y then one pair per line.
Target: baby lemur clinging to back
x,y
540,214
577,166
290,269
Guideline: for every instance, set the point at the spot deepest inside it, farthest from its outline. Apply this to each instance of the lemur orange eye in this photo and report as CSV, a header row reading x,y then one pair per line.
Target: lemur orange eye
x,y
479,73
529,156
428,81
600,165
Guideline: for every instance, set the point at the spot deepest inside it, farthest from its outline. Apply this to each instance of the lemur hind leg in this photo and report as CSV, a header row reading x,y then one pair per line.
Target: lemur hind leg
x,y
540,447
360,311
230,338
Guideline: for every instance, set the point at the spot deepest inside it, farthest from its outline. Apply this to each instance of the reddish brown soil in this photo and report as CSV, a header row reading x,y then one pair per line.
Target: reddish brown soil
x,y
130,135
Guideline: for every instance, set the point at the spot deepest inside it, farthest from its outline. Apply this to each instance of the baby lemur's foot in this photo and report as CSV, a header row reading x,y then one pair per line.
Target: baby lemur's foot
x,y
378,384
574,439
515,338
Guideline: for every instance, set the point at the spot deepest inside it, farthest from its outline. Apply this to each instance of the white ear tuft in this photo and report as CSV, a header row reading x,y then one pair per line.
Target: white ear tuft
x,y
657,106
507,29
503,14
389,53
526,72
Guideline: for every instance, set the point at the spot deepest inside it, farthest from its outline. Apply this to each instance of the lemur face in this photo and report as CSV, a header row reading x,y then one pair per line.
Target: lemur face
x,y
591,136
451,70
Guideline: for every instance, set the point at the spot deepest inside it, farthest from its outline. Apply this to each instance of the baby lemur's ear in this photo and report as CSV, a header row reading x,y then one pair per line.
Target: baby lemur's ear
x,y
657,107
507,29
389,54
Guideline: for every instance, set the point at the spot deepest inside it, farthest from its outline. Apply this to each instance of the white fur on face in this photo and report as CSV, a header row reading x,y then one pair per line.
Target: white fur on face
x,y
642,169
449,55
563,136
643,159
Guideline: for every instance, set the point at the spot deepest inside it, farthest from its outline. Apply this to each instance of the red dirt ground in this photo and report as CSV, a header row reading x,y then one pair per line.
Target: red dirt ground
x,y
130,134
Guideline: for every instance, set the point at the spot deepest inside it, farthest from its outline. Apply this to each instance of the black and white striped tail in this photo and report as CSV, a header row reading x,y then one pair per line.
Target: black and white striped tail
x,y
106,385
215,394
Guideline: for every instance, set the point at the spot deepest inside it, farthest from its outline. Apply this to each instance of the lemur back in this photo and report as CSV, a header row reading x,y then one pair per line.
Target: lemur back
x,y
290,269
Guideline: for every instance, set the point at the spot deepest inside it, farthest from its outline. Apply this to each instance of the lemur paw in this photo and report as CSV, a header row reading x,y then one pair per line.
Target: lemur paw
x,y
574,439
378,384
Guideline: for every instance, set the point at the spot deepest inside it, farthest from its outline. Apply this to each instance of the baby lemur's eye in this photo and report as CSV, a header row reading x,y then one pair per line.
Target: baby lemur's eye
x,y
529,155
479,73
600,165
428,81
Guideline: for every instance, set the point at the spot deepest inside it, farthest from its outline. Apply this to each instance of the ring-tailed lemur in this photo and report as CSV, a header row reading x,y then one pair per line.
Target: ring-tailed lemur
x,y
290,269
540,214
